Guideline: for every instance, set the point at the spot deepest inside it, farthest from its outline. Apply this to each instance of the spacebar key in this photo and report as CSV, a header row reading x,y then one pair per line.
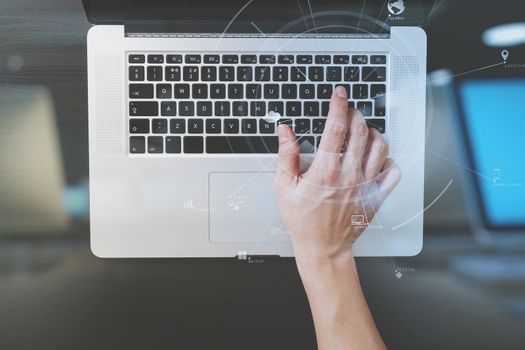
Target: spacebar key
x,y
242,144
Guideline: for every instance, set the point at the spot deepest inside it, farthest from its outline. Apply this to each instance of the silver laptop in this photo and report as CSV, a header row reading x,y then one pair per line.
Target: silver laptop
x,y
184,99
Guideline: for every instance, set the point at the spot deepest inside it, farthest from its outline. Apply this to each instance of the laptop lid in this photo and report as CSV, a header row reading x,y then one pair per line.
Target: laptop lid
x,y
273,16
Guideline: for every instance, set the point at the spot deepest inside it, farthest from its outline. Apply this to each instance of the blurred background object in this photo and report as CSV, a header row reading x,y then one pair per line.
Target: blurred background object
x,y
32,179
459,293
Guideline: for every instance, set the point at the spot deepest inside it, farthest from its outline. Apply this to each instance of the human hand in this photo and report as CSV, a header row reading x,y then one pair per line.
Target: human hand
x,y
350,175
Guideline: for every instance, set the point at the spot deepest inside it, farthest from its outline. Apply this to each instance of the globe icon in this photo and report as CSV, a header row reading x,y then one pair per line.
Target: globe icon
x,y
396,7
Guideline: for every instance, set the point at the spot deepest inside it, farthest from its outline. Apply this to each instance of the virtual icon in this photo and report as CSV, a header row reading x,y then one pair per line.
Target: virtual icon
x,y
358,219
396,7
504,55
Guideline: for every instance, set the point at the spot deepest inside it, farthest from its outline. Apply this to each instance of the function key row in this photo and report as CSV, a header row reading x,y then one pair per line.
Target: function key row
x,y
252,59
258,73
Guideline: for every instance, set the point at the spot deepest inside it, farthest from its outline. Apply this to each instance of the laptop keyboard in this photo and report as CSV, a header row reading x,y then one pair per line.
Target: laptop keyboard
x,y
232,103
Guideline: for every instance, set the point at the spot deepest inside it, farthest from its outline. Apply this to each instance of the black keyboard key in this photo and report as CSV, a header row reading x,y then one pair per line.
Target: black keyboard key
x,y
298,73
242,144
359,91
325,106
164,91
139,126
341,59
316,73
182,90
240,108
244,73
311,109
155,73
323,59
378,124
266,127
168,108
222,108
365,108
304,59
155,58
271,91
378,59
137,144
213,126
173,58
190,73
172,73
377,90
249,59
195,126
276,107
333,73
155,144
302,126
140,90
351,73
136,73
293,109
262,73
253,91
285,59
307,91
204,109
235,91
248,126
324,91
213,59
231,126
226,73
217,91
192,59
351,104
186,109
136,59
289,91
173,144
280,73
143,109
193,144
318,126
270,59
230,59
374,73
359,59
208,73
159,126
178,126
199,91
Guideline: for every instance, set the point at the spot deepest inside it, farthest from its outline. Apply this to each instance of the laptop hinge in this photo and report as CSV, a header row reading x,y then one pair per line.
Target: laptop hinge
x,y
185,29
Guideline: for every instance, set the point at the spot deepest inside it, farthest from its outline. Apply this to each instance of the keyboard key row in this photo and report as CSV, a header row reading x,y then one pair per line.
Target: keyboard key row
x,y
258,73
233,126
252,59
252,91
249,108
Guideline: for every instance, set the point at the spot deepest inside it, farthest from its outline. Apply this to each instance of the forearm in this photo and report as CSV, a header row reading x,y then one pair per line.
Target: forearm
x,y
339,309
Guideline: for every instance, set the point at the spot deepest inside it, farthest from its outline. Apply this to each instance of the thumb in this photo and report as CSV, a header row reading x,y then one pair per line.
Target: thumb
x,y
288,158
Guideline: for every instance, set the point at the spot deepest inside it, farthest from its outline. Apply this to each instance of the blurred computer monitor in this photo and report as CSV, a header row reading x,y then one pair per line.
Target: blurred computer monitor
x,y
491,115
31,170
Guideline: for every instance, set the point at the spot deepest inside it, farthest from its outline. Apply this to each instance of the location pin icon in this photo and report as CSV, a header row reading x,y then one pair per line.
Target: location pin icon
x,y
504,54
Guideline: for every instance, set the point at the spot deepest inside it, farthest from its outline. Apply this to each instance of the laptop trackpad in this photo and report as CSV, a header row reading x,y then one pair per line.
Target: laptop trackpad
x,y
243,208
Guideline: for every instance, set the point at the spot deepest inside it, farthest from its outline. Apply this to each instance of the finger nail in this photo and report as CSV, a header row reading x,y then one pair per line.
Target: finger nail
x,y
282,132
341,91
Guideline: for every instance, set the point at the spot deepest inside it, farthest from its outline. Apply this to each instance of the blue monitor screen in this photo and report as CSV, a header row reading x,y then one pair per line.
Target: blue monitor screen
x,y
494,119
